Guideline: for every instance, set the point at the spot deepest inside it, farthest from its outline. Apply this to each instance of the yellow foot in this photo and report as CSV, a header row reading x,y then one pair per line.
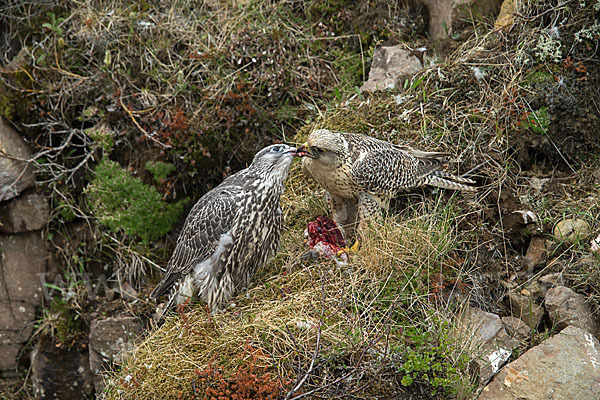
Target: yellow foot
x,y
354,248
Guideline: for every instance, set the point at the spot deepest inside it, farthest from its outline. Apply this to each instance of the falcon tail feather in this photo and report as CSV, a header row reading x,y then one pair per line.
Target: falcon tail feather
x,y
165,285
448,181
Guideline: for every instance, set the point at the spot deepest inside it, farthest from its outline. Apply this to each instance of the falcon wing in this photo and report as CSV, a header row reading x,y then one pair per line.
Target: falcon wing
x,y
390,169
213,216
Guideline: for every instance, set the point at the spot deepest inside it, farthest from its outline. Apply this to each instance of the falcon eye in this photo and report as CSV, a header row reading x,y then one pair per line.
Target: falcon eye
x,y
276,149
316,150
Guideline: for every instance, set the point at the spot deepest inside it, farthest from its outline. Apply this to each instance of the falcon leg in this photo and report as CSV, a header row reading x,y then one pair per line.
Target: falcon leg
x,y
337,207
368,208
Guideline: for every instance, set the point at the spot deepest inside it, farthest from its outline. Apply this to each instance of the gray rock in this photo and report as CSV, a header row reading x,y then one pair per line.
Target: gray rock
x,y
60,373
15,174
22,257
486,338
446,16
109,339
549,281
9,354
391,66
516,328
567,307
25,213
572,230
566,366
524,307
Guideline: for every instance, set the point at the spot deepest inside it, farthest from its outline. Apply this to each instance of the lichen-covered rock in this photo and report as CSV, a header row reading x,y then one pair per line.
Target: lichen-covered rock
x,y
108,339
566,366
567,307
15,174
25,213
59,372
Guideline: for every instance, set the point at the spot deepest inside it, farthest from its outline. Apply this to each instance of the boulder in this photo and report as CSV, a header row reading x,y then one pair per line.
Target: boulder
x,y
565,366
25,213
572,230
109,339
59,372
567,307
447,16
524,307
22,258
15,174
487,339
391,66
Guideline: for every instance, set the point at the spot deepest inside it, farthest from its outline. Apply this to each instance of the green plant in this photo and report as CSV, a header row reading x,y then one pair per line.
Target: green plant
x,y
430,356
159,170
103,137
124,203
54,24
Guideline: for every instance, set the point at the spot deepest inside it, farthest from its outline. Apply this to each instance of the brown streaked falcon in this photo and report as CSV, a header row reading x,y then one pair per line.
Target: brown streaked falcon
x,y
361,173
229,233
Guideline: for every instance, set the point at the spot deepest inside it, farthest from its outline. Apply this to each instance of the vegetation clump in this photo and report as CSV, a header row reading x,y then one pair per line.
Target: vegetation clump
x,y
124,203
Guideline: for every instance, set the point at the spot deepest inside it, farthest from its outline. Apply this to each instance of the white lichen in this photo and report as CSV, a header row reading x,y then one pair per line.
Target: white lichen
x,y
548,48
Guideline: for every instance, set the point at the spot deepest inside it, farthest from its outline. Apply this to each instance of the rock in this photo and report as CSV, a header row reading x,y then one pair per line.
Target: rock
x,y
567,307
126,291
535,251
22,258
15,174
524,308
447,16
59,372
108,339
515,328
572,230
391,66
25,213
548,281
9,355
506,16
565,366
487,339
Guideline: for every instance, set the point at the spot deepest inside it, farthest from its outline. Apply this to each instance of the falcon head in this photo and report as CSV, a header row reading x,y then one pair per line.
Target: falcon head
x,y
274,159
325,147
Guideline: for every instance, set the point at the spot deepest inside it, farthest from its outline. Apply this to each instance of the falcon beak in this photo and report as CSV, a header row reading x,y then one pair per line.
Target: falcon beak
x,y
304,151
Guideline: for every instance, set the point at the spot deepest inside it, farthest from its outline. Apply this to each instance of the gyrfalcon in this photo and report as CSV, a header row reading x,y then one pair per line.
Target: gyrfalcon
x,y
229,233
361,173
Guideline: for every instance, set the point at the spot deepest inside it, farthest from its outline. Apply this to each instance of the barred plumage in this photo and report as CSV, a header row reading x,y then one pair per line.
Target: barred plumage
x,y
361,173
230,232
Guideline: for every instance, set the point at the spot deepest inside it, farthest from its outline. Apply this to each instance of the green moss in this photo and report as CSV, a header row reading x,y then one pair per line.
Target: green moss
x,y
536,121
539,77
67,324
124,203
